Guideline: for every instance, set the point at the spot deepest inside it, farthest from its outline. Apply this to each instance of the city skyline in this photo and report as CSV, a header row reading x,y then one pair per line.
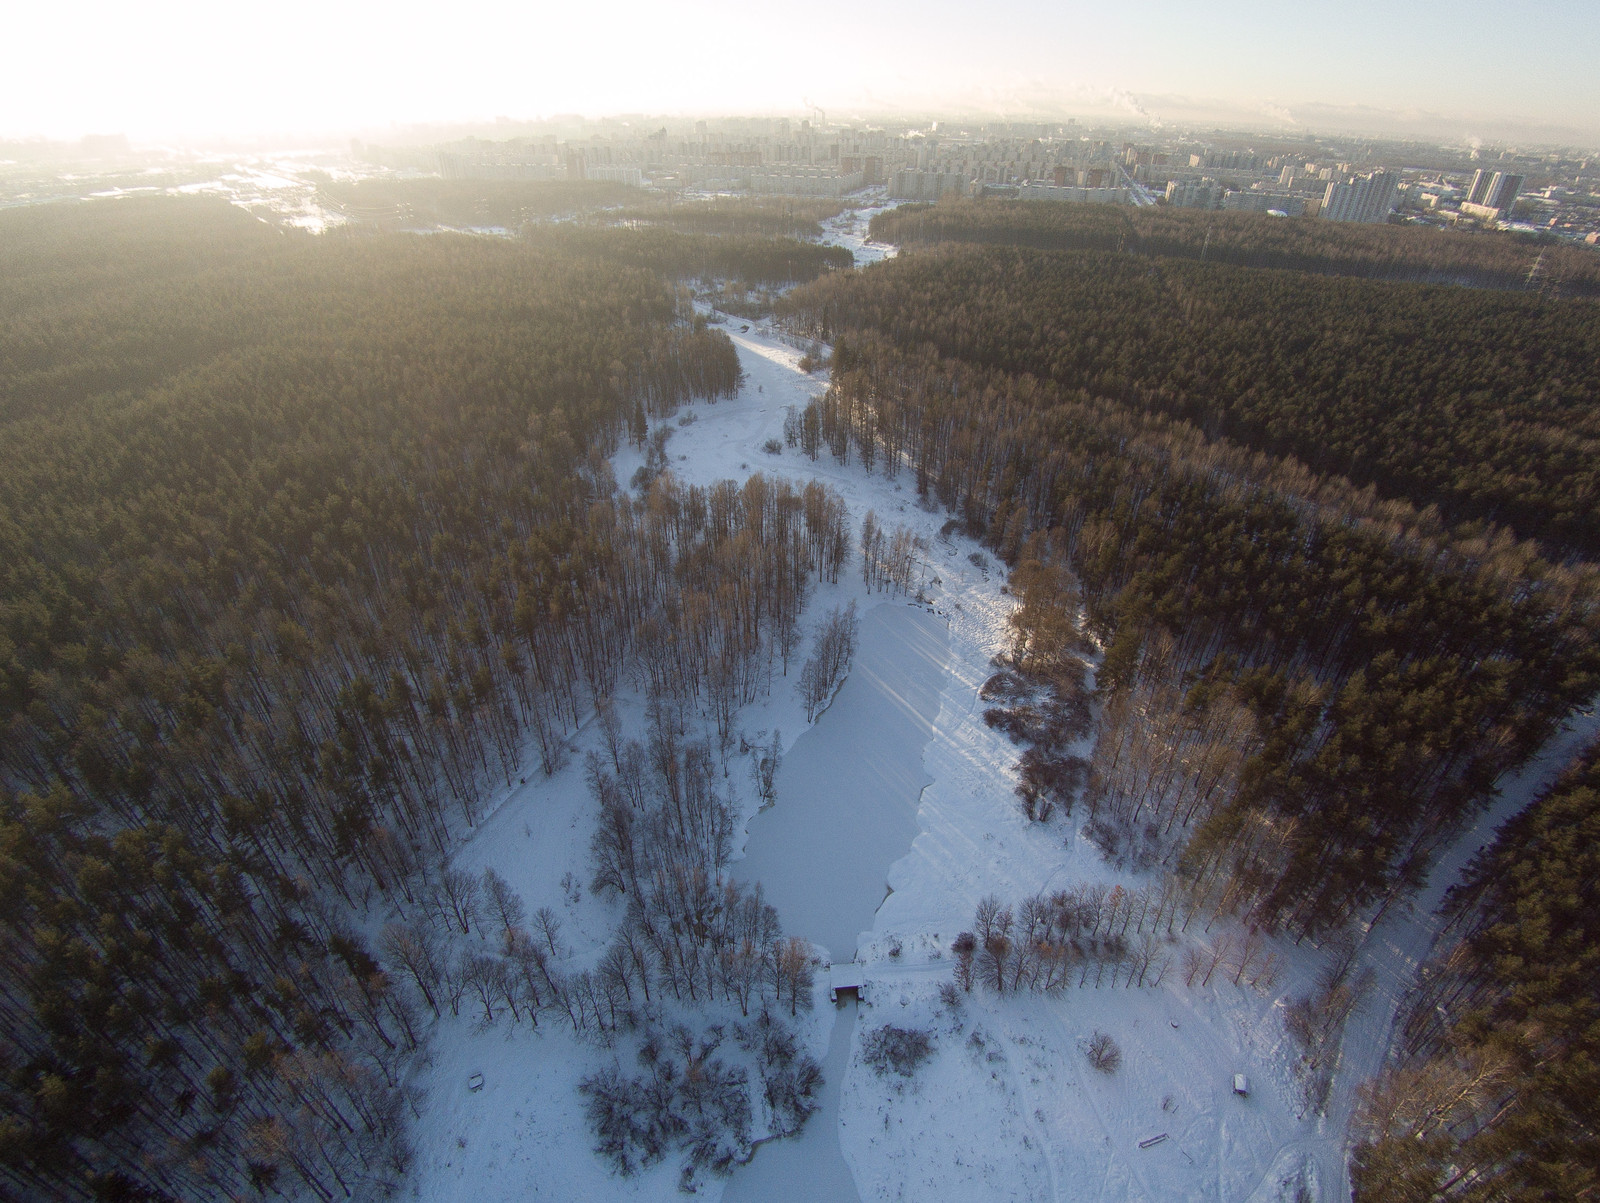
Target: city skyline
x,y
176,70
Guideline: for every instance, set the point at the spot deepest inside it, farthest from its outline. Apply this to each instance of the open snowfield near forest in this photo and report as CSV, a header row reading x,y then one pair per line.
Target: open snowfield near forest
x,y
894,816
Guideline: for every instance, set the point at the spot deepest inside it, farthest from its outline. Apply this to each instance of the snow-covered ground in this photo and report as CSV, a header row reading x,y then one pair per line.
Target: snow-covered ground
x,y
849,229
284,190
852,779
1008,1106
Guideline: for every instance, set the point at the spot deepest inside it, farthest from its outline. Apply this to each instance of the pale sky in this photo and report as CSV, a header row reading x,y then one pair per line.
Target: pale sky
x,y
162,69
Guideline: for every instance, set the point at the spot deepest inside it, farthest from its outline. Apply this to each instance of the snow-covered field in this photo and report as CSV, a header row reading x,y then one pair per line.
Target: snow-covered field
x,y
900,786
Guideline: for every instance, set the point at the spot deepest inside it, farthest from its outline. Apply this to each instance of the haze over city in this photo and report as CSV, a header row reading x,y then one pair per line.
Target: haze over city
x,y
186,71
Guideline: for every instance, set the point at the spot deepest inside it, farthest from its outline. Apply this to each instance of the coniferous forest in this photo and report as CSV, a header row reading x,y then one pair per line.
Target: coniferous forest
x,y
1381,252
301,540
1354,667
309,544
1475,401
507,204
1497,1094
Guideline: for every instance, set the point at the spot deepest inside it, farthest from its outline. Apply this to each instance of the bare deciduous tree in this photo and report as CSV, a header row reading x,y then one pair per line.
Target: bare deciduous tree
x,y
1103,1052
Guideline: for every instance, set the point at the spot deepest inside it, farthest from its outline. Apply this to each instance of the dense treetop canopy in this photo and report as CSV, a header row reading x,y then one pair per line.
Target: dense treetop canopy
x,y
470,204
299,537
1499,1092
1482,403
1411,253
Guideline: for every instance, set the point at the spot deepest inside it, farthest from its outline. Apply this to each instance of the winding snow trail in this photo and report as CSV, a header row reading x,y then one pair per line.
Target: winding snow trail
x,y
1397,946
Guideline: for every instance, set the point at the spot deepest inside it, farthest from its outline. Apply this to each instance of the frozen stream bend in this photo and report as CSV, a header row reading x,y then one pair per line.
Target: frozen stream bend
x,y
809,1168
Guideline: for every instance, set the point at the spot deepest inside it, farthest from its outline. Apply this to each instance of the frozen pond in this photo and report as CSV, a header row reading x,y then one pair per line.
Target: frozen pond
x,y
847,810
848,788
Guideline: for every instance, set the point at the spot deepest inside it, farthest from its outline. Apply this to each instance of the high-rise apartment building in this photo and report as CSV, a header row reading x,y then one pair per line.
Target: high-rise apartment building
x,y
926,185
1194,194
1366,198
1491,195
1254,201
1502,191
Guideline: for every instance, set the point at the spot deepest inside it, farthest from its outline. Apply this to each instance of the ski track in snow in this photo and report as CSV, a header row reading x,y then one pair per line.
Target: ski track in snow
x,y
1007,1107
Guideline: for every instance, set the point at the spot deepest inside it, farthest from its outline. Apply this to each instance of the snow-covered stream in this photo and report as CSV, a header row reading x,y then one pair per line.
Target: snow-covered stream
x,y
846,811
809,1168
849,230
